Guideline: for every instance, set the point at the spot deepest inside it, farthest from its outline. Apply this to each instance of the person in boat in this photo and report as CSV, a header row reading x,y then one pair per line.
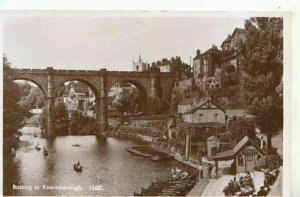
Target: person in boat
x,y
38,146
77,166
45,151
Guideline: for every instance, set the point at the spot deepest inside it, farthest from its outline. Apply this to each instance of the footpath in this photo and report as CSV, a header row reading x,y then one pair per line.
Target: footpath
x,y
200,185
276,188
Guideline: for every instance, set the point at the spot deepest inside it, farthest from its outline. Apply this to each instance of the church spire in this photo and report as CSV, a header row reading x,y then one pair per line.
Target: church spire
x,y
140,60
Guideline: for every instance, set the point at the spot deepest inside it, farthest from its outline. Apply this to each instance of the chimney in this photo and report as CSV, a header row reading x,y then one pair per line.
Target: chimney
x,y
204,86
198,52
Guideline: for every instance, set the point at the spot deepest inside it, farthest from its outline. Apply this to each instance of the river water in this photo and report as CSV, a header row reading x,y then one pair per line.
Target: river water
x,y
107,167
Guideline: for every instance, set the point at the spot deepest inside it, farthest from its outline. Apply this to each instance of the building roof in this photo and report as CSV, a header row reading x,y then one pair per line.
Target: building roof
x,y
166,63
235,112
200,124
208,104
238,30
197,57
211,50
238,112
231,153
187,101
227,40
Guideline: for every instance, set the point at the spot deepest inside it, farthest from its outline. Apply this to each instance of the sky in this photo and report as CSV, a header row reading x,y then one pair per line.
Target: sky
x,y
92,43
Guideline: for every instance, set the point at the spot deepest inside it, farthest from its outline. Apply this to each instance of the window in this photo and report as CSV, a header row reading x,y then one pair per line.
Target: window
x,y
240,160
250,158
216,116
258,157
137,67
201,118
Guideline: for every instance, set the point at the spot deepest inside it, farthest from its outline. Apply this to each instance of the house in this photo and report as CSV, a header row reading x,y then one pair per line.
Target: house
x,y
245,153
79,101
184,105
175,65
200,121
206,67
205,111
230,48
206,63
197,63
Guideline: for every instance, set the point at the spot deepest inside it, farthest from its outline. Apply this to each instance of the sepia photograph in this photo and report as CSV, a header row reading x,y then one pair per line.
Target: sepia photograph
x,y
143,104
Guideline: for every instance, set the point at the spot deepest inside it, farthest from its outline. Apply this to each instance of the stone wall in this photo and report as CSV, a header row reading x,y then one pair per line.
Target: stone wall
x,y
161,124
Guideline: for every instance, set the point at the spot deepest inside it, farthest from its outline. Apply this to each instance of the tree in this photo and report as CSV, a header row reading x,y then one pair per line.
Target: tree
x,y
262,69
176,99
239,127
12,112
61,116
35,98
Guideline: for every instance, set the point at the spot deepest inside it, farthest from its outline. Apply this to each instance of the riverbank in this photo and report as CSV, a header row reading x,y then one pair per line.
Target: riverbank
x,y
182,186
148,151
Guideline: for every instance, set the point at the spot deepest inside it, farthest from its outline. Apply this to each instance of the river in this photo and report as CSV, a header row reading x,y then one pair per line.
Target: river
x,y
107,167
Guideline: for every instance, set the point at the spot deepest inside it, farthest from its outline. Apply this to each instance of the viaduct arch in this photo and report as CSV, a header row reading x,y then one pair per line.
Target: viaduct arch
x,y
151,84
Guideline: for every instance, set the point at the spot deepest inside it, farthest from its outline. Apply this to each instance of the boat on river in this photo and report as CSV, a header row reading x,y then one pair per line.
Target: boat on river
x,y
160,157
45,152
77,168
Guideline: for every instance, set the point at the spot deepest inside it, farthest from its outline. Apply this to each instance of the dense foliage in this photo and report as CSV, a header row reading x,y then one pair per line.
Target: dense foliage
x,y
13,113
241,127
262,70
32,99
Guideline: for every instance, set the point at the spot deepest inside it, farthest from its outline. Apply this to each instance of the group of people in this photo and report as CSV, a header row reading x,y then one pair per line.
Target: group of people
x,y
77,166
178,173
244,186
210,171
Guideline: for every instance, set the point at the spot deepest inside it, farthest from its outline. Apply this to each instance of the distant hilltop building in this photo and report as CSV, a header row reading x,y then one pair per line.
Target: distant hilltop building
x,y
174,65
82,102
210,63
117,92
140,66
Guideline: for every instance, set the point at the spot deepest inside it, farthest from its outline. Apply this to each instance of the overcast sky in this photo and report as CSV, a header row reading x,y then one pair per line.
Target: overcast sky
x,y
109,42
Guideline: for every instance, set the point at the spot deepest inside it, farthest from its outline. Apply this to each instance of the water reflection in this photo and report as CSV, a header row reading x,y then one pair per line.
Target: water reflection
x,y
105,163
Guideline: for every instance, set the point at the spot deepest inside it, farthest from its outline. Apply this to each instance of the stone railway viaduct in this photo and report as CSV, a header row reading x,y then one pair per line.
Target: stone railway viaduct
x,y
150,85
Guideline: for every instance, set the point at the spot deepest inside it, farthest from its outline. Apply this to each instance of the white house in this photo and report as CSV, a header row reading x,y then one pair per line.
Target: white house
x,y
205,111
